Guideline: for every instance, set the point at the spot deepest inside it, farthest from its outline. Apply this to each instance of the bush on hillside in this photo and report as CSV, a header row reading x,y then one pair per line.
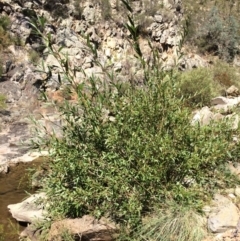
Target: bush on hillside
x,y
224,76
4,22
196,87
123,150
214,27
220,35
199,86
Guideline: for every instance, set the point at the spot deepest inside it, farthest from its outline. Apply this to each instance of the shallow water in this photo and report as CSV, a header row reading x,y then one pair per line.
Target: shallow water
x,y
14,188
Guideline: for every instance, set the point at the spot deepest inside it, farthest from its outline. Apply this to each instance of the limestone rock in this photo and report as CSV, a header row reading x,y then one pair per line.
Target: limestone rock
x,y
237,191
234,120
236,61
229,235
89,14
225,101
234,168
28,157
233,91
192,61
223,216
203,116
224,105
20,26
232,196
87,227
158,18
206,209
4,168
229,190
30,233
29,210
218,116
222,109
219,101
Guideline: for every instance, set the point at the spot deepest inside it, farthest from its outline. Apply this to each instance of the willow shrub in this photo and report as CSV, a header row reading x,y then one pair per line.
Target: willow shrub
x,y
124,151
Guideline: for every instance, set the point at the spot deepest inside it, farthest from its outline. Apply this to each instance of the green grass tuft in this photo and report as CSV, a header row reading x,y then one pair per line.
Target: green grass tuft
x,y
169,225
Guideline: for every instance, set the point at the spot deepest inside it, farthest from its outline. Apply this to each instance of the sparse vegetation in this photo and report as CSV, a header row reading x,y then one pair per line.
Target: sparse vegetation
x,y
224,75
214,27
4,22
219,35
196,87
199,86
2,101
34,57
2,236
105,9
5,38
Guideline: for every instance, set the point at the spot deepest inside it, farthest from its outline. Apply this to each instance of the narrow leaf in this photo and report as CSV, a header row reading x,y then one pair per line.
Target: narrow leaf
x,y
127,6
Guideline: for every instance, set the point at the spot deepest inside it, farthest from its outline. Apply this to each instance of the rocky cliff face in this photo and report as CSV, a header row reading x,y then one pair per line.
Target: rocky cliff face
x,y
69,22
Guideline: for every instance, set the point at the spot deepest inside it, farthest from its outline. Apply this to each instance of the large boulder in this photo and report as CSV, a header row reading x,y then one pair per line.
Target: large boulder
x,y
233,91
87,227
223,216
224,105
29,210
203,116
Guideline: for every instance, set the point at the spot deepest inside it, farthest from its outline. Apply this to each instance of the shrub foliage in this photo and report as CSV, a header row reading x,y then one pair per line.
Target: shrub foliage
x,y
214,27
199,86
220,35
125,150
196,86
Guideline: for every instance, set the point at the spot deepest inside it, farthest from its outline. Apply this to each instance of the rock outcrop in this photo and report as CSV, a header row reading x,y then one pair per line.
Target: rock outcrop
x,y
29,210
223,216
222,108
87,228
69,22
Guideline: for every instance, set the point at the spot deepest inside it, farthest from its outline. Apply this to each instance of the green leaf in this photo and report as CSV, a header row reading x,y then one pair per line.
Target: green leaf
x,y
126,3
